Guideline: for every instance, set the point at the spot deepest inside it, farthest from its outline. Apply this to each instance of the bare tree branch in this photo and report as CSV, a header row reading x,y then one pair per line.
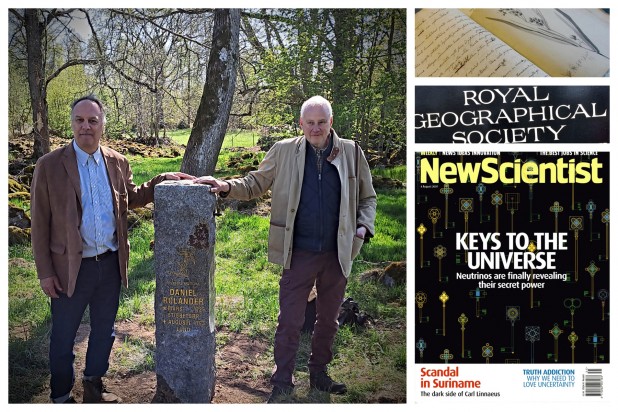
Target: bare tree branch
x,y
69,64
151,21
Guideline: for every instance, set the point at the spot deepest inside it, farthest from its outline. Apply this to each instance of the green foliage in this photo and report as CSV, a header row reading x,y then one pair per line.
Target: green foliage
x,y
20,109
29,307
116,111
244,276
233,138
240,138
133,356
180,136
70,84
359,65
139,296
28,366
29,317
21,203
354,57
280,72
397,172
145,168
233,162
389,242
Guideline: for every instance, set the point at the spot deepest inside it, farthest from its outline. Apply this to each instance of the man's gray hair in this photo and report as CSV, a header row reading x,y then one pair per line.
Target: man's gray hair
x,y
317,101
92,98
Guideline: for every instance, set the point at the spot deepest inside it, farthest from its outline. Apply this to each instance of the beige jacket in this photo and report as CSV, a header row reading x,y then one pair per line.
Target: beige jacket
x,y
282,171
56,212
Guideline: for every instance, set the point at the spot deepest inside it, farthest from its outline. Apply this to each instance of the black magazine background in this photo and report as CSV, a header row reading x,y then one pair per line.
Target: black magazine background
x,y
493,327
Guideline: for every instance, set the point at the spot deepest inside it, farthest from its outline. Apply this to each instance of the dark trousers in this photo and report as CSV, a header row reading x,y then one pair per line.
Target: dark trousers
x,y
98,286
294,287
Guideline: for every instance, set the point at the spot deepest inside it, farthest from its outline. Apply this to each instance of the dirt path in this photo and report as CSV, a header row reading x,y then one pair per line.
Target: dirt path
x,y
240,365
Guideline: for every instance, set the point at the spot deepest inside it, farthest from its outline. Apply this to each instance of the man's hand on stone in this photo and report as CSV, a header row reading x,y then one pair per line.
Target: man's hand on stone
x,y
177,176
50,285
218,185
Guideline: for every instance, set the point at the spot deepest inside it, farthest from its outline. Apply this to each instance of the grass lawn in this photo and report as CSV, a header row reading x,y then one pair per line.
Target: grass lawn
x,y
239,138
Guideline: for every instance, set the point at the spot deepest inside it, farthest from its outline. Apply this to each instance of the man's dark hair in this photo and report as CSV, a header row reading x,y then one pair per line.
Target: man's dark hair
x,y
92,98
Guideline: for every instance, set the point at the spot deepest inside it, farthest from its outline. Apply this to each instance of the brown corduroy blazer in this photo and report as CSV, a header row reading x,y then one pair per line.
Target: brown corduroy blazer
x,y
56,212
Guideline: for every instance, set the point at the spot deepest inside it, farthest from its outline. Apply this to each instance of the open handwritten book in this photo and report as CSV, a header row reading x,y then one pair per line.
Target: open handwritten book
x,y
512,43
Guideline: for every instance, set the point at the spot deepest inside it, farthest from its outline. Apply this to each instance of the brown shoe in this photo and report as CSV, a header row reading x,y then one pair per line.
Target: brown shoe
x,y
281,394
322,382
95,392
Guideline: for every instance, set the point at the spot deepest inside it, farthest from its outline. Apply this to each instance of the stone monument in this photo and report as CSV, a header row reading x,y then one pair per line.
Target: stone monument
x,y
185,294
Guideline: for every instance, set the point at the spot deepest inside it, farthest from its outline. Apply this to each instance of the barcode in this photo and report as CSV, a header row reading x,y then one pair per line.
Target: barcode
x,y
593,382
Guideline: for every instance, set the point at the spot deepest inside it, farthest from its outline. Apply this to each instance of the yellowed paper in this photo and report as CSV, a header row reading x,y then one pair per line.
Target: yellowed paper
x,y
563,42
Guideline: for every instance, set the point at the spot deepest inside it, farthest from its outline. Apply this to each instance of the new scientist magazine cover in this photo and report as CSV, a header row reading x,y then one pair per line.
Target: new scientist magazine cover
x,y
512,275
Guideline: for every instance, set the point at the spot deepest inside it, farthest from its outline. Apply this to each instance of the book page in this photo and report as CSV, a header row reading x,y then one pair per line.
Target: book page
x,y
450,44
563,42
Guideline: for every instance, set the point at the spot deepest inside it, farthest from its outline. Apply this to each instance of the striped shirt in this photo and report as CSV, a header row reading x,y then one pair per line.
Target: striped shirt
x,y
98,226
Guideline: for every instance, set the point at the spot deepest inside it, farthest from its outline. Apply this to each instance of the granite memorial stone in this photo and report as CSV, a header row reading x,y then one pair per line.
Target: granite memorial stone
x,y
185,294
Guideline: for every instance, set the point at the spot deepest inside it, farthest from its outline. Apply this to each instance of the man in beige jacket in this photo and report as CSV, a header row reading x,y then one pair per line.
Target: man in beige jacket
x,y
322,210
80,196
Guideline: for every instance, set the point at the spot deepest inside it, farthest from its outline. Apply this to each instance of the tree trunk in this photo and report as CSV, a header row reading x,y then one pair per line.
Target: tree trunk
x,y
342,78
188,89
387,71
35,29
214,110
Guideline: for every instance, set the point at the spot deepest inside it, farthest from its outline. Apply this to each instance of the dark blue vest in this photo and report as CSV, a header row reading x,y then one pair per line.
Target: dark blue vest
x,y
317,217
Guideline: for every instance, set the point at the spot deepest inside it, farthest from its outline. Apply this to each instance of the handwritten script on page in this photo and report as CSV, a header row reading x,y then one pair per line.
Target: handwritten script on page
x,y
450,44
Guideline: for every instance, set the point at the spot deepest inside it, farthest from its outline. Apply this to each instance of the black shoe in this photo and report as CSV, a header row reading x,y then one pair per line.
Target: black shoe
x,y
322,382
70,399
95,392
280,394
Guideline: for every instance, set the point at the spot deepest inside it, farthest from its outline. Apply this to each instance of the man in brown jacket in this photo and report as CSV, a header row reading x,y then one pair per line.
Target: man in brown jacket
x,y
80,195
322,210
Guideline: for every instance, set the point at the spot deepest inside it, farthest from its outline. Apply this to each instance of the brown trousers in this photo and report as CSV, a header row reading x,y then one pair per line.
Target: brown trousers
x,y
324,269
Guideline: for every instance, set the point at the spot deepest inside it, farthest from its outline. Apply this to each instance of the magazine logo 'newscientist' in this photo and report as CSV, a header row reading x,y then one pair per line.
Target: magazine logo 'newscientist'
x,y
492,170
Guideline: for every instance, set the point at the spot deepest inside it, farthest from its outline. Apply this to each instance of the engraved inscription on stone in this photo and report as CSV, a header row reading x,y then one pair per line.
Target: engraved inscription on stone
x,y
183,304
183,307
